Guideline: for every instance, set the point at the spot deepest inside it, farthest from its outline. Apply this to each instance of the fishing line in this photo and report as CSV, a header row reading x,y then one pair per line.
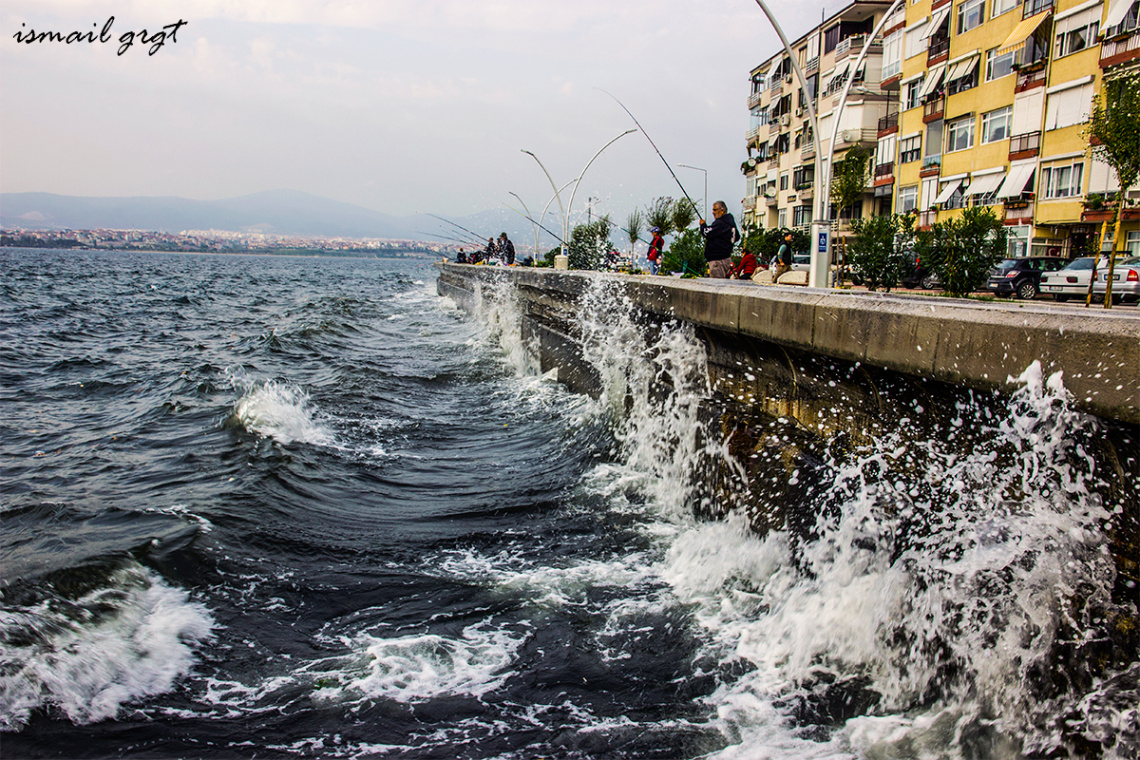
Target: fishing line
x,y
699,213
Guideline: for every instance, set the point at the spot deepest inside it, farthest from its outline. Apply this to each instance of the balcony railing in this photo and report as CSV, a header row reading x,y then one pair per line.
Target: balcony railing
x,y
811,66
1112,48
1030,141
1033,7
937,48
853,45
755,99
1030,75
750,201
890,121
1019,210
931,162
885,170
932,110
927,218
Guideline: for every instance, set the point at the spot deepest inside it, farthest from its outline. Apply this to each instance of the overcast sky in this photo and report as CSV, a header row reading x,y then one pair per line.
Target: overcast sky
x,y
401,106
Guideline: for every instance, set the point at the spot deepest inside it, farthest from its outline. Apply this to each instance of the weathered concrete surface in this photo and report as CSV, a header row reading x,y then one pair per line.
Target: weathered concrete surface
x,y
979,345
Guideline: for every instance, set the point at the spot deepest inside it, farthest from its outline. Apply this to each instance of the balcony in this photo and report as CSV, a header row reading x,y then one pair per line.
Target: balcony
x,y
1018,211
927,218
1119,50
1033,7
888,124
811,66
1030,75
755,99
1027,145
884,173
938,51
931,166
853,45
807,150
933,110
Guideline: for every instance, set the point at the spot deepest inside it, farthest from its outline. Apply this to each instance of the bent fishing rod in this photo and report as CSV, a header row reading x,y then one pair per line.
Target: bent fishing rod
x,y
533,221
459,226
650,139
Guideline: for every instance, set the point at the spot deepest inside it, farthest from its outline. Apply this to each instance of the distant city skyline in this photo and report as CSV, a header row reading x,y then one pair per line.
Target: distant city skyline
x,y
400,107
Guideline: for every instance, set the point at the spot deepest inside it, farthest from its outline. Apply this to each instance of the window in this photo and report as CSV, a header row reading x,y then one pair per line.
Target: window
x,y
998,66
1063,180
1002,6
995,124
1076,32
910,149
970,14
892,54
759,117
908,199
915,43
1132,241
885,153
830,39
911,92
960,134
784,181
783,218
801,216
1129,24
934,138
803,177
1068,106
929,192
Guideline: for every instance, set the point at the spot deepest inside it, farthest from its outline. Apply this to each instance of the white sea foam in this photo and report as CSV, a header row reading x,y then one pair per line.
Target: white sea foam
x,y
417,667
281,411
131,638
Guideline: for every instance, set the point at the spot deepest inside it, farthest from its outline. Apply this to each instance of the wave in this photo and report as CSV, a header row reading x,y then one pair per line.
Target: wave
x,y
281,411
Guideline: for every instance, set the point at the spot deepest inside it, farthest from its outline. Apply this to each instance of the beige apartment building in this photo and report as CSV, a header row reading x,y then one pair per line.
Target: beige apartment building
x,y
966,102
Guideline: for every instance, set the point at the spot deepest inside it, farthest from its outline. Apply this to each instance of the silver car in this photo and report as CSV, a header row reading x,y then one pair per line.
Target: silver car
x,y
1072,281
1125,280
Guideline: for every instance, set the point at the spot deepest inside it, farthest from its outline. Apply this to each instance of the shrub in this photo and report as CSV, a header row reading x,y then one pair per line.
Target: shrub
x,y
589,244
686,254
880,251
963,250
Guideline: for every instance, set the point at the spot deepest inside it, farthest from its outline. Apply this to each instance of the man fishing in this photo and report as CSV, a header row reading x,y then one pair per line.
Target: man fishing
x,y
719,239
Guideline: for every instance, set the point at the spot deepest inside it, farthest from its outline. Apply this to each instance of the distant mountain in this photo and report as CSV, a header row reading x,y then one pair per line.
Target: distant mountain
x,y
281,212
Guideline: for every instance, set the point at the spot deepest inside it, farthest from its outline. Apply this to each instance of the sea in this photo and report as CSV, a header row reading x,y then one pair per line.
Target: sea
x,y
305,507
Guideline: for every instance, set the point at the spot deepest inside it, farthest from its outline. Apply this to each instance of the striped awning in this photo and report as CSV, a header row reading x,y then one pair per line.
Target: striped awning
x,y
936,20
985,184
1017,179
1021,32
1117,10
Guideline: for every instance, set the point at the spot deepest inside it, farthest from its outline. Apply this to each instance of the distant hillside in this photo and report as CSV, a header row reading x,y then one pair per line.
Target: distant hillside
x,y
281,212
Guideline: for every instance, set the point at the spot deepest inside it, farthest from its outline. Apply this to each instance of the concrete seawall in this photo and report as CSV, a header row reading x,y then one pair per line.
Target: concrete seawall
x,y
971,344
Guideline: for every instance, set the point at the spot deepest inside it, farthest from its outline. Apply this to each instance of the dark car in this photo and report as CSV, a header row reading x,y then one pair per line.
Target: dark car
x,y
1021,278
919,276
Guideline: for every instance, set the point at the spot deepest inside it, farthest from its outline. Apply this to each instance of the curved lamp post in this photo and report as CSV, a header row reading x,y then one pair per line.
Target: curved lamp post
x,y
821,237
706,173
564,261
533,222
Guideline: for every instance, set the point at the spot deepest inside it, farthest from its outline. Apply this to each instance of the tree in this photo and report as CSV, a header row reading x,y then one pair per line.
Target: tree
x,y
589,244
962,250
849,179
660,214
1115,139
686,254
880,251
682,214
633,228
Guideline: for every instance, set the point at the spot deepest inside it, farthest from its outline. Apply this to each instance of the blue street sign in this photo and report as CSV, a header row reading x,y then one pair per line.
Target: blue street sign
x,y
823,241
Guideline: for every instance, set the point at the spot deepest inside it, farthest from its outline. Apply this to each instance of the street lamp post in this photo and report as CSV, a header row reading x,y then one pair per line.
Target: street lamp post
x,y
562,260
821,236
706,173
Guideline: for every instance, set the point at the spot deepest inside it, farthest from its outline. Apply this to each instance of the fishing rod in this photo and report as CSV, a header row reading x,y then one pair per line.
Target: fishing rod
x,y
650,139
459,226
533,221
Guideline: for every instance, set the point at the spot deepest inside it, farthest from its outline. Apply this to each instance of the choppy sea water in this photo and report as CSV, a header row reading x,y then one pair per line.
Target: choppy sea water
x,y
283,507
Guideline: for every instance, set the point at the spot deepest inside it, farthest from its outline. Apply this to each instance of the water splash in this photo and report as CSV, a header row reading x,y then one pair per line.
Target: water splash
x,y
131,636
281,411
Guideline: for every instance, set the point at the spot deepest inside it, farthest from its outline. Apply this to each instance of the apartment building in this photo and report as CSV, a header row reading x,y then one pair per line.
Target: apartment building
x,y
986,104
780,170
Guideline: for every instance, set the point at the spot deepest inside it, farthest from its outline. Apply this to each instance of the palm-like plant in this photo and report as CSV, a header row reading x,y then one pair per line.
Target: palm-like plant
x,y
683,214
660,214
633,226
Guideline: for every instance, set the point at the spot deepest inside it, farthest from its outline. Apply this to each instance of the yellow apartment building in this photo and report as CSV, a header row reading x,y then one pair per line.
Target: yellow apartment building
x,y
982,103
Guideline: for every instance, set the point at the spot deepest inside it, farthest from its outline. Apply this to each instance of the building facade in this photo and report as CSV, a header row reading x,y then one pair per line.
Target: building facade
x,y
983,103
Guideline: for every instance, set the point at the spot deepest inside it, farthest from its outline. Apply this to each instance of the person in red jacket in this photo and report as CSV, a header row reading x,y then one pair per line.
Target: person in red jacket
x,y
747,265
656,251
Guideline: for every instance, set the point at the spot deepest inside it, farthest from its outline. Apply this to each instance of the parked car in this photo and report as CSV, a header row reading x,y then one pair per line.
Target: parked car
x,y
801,262
1071,281
1021,278
1125,280
920,277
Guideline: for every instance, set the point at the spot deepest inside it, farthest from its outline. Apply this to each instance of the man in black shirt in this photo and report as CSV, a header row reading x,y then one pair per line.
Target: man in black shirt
x,y
719,239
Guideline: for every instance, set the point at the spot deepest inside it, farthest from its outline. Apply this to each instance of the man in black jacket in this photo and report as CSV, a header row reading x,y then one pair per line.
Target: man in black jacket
x,y
719,238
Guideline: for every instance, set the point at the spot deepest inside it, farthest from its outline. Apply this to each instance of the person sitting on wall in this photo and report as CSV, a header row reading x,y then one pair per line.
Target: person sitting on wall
x,y
747,265
784,257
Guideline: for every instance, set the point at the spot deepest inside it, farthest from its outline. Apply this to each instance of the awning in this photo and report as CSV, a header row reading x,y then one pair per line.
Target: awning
x,y
1021,32
933,79
936,20
962,69
947,191
1015,182
985,184
1117,11
840,70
